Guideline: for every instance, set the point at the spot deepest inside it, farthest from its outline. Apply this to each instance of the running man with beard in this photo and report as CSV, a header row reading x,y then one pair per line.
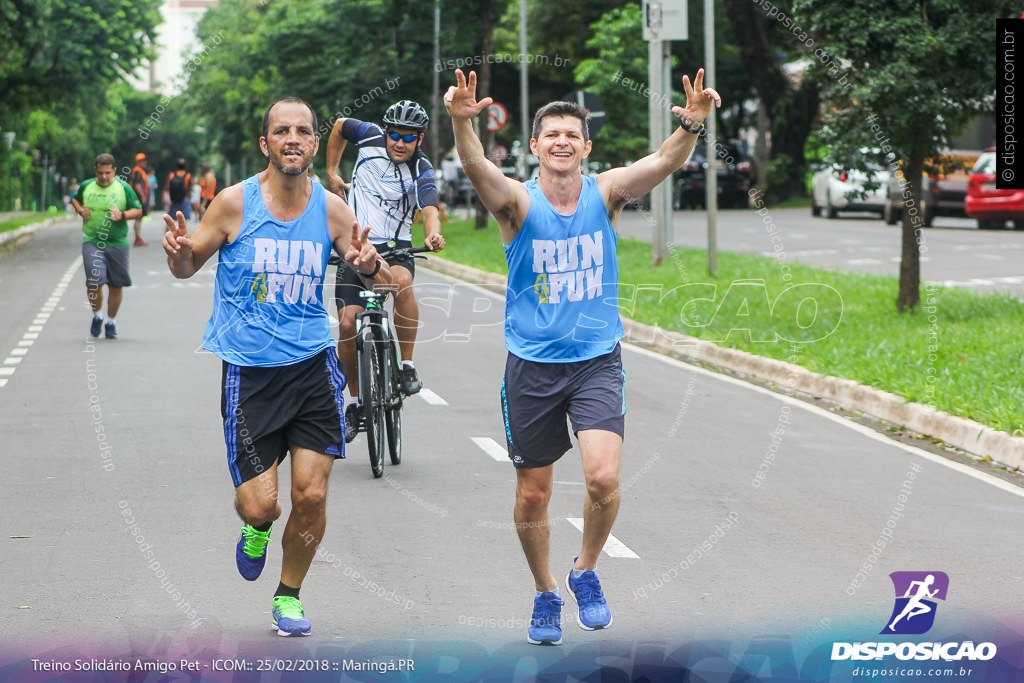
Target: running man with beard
x,y
281,385
562,324
392,180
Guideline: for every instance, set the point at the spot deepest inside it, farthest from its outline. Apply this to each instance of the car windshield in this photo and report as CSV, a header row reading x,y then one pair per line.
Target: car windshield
x,y
986,163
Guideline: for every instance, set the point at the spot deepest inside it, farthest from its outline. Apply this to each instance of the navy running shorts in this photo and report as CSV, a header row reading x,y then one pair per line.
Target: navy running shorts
x,y
347,284
537,397
268,409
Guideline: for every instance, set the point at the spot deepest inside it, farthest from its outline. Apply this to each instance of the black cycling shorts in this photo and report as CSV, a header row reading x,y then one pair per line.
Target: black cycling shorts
x,y
268,409
348,284
537,397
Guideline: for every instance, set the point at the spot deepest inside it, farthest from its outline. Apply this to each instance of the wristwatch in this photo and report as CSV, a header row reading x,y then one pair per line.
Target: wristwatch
x,y
376,270
696,129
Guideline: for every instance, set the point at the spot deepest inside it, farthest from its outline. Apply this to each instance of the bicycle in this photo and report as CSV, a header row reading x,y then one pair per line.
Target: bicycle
x,y
380,389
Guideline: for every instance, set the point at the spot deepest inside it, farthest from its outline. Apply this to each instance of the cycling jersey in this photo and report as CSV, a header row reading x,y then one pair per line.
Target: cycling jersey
x,y
385,196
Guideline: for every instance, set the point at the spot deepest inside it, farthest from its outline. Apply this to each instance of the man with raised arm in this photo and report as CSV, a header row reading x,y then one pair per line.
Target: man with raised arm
x,y
281,386
562,325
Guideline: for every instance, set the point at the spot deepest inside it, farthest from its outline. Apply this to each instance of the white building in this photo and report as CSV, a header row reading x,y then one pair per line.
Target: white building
x,y
176,42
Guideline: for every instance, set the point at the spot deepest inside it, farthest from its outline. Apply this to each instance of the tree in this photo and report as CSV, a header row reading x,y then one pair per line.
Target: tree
x,y
63,50
903,76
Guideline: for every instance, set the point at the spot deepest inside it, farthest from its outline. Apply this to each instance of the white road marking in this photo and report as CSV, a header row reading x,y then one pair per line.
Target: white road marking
x,y
34,330
862,262
491,448
432,398
613,547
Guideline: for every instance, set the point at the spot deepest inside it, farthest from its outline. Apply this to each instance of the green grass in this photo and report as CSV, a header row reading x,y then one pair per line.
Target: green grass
x,y
793,203
20,221
959,352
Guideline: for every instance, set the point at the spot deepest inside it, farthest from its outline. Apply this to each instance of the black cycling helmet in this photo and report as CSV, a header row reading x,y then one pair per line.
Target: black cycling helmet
x,y
406,114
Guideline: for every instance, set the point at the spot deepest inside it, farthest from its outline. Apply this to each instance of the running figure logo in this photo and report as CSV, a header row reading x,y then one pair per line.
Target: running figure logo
x,y
914,611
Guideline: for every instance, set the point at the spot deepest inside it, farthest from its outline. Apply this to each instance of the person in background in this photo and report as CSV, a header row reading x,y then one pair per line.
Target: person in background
x,y
139,181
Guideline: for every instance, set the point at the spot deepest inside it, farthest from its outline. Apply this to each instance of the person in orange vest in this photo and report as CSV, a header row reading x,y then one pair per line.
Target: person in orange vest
x,y
139,180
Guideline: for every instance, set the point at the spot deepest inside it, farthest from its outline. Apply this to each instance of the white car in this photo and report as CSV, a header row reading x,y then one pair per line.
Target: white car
x,y
834,190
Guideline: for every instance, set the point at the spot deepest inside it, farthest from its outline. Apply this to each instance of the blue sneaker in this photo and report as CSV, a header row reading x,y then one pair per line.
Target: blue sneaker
x,y
251,552
96,326
546,624
289,619
110,330
594,613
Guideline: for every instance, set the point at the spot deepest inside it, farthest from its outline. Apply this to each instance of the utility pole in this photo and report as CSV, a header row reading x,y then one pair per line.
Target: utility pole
x,y
522,168
711,174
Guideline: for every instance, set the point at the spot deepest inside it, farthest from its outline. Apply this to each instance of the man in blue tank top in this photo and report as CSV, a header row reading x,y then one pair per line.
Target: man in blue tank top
x,y
562,325
281,386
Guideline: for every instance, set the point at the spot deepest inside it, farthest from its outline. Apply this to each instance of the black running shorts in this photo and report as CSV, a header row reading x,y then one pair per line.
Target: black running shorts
x,y
347,284
267,409
537,397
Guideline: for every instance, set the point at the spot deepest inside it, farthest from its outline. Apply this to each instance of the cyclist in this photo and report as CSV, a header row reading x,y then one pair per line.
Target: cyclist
x,y
392,179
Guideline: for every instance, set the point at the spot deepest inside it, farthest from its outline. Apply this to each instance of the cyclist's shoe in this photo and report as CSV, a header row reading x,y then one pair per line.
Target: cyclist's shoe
x,y
353,417
594,613
289,619
546,624
110,330
410,380
96,326
251,552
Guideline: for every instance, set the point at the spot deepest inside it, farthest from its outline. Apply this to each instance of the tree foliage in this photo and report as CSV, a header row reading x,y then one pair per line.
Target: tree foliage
x,y
903,76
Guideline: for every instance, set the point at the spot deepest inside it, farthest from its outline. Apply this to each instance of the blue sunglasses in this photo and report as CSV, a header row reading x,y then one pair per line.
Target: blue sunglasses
x,y
407,138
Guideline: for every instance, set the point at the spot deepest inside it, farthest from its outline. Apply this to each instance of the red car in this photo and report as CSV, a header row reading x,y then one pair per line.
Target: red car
x,y
992,207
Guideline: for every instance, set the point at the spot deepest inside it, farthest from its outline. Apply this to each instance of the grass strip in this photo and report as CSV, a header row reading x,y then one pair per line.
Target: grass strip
x,y
958,352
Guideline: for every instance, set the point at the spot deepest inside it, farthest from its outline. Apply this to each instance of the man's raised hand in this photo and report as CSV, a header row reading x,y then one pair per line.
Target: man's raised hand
x,y
698,99
177,242
460,99
360,250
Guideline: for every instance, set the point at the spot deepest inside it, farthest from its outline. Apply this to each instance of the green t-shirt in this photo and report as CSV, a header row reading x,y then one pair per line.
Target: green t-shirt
x,y
101,228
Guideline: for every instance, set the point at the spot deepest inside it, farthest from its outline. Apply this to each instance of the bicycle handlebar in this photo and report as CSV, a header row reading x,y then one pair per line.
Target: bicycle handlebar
x,y
334,259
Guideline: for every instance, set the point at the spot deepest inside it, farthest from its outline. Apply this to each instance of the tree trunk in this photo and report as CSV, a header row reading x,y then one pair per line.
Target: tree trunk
x,y
791,112
913,221
483,89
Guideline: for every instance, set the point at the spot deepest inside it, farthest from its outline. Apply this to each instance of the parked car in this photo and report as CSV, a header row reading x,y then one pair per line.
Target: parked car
x,y
733,171
942,191
834,189
990,206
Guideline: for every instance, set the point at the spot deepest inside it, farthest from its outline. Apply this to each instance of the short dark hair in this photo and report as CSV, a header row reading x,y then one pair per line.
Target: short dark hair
x,y
266,114
562,108
103,160
181,164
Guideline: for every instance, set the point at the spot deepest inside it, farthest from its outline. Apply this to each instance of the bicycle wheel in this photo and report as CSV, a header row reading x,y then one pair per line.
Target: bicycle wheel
x,y
372,391
393,413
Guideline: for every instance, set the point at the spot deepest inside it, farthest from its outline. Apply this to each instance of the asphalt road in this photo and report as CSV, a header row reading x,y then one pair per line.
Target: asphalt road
x,y
114,449
953,252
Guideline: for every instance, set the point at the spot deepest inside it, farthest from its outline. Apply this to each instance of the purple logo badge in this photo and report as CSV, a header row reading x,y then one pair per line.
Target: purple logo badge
x,y
916,593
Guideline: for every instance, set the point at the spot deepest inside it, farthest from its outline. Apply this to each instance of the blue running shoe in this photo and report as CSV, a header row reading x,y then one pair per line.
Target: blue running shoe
x,y
289,619
546,624
110,330
594,613
251,552
96,326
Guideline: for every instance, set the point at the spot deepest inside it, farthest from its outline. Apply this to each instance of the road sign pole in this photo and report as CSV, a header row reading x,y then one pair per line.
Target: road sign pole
x,y
655,129
711,174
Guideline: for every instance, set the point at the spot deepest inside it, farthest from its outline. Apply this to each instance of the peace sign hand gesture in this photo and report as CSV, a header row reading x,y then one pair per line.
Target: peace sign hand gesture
x,y
698,100
460,99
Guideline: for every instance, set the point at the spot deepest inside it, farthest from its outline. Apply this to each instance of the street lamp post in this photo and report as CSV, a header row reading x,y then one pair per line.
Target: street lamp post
x,y
9,140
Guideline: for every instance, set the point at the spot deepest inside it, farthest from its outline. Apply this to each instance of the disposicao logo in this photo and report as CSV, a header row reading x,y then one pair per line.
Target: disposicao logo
x,y
913,614
916,592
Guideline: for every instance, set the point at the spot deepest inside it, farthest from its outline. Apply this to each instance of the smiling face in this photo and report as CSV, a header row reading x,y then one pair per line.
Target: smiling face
x,y
560,146
400,150
291,141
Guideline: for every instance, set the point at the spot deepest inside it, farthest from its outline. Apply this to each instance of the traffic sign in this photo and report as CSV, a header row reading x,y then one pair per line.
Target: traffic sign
x,y
593,104
497,117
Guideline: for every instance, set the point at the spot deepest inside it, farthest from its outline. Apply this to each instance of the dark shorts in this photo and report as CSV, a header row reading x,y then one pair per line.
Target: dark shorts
x,y
537,397
266,410
184,206
106,265
347,284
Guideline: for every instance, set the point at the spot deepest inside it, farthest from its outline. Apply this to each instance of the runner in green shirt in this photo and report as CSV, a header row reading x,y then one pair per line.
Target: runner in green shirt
x,y
106,203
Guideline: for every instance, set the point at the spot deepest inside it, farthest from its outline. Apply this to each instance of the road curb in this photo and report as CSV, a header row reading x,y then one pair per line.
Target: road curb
x,y
957,431
12,235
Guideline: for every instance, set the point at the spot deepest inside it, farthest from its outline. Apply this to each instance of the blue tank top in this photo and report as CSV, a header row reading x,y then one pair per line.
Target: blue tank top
x,y
561,304
268,306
